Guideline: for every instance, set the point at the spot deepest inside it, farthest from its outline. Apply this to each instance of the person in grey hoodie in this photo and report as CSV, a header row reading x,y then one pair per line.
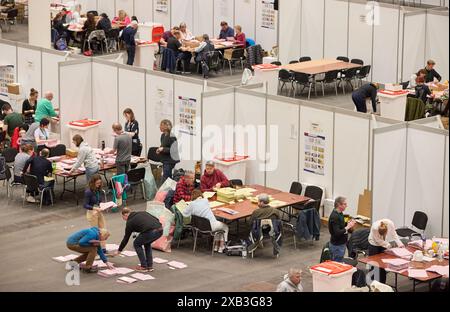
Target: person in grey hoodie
x,y
292,282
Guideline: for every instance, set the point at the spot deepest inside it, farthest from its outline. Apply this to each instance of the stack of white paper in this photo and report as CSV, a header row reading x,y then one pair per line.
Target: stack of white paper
x,y
111,247
413,273
123,271
439,269
177,265
126,280
106,206
160,261
97,264
397,264
64,259
400,252
107,273
142,277
129,253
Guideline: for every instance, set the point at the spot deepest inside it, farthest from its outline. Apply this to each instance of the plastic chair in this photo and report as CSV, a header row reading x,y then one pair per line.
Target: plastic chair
x,y
343,58
305,59
330,77
301,79
96,35
9,18
276,63
236,182
31,184
9,154
203,226
350,75
357,61
112,38
136,177
420,221
363,73
294,62
284,77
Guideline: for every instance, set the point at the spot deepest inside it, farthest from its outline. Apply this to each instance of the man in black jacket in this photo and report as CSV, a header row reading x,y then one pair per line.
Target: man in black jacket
x,y
149,229
128,37
339,230
431,72
359,96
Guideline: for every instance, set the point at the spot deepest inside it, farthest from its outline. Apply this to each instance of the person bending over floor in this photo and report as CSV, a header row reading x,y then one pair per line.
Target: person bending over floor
x,y
213,178
86,157
292,282
382,233
88,242
184,188
359,97
200,207
149,229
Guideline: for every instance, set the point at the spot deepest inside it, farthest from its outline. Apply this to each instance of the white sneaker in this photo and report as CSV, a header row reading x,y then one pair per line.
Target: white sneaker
x,y
31,199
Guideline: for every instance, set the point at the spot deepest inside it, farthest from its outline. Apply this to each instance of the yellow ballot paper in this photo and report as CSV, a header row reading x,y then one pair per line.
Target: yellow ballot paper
x,y
208,195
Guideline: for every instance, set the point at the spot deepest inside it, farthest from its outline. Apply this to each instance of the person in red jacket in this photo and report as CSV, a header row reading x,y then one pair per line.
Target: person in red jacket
x,y
184,188
213,178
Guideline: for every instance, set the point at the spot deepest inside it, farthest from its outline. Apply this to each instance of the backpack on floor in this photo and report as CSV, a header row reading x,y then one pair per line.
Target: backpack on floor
x,y
61,44
326,254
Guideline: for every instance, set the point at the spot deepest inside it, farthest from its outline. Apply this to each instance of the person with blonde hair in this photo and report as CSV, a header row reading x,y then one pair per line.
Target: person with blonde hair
x,y
122,19
240,36
382,234
185,33
292,282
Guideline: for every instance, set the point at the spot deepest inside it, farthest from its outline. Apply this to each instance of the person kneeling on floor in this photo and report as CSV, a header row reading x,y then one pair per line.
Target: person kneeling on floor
x,y
149,229
88,243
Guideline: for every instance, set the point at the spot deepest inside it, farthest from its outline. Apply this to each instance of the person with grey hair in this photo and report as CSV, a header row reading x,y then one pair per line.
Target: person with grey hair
x,y
122,148
339,229
265,211
185,187
44,108
292,282
213,178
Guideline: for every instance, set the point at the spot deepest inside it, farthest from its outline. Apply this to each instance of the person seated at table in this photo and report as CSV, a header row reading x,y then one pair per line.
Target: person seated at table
x,y
86,157
104,23
12,120
88,243
185,33
359,97
181,53
226,31
421,73
75,17
26,151
422,90
204,47
265,211
122,19
184,188
58,24
45,108
213,178
200,207
432,74
382,233
292,282
41,134
89,26
166,35
239,37
41,168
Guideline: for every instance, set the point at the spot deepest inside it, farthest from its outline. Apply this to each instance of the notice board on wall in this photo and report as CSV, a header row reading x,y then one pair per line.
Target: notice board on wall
x,y
187,115
7,76
314,157
162,6
268,14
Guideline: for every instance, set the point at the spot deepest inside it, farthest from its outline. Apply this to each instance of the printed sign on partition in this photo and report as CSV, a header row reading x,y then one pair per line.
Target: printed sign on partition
x,y
7,76
163,104
268,14
187,115
162,6
315,150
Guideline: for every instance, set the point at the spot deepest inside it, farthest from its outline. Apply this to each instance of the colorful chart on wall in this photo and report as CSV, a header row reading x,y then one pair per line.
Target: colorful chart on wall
x,y
162,6
315,150
187,115
268,14
7,76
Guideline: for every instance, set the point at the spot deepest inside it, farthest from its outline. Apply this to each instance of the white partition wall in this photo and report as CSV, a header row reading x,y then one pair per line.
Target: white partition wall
x,y
413,49
250,120
105,106
203,22
316,142
29,67
132,95
244,15
9,53
159,103
266,36
351,158
312,32
126,5
108,7
425,146
50,60
437,32
143,9
75,94
223,11
445,213
389,170
360,33
335,33
162,14
282,143
183,11
289,34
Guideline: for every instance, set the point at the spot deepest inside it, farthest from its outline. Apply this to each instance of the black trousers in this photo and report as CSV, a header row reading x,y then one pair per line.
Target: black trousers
x,y
375,250
131,51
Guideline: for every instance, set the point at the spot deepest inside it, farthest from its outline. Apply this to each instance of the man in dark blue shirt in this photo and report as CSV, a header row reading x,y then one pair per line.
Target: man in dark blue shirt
x,y
226,31
40,167
368,91
128,36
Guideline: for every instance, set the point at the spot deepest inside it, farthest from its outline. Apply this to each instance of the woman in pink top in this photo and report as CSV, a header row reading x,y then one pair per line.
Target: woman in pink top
x,y
122,19
240,36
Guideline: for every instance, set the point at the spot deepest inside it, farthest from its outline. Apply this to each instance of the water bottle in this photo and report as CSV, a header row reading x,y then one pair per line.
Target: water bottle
x,y
424,242
103,145
440,254
244,251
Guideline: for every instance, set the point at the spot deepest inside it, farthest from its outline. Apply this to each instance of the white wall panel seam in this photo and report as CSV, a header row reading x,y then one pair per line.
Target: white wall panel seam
x,y
406,175
443,186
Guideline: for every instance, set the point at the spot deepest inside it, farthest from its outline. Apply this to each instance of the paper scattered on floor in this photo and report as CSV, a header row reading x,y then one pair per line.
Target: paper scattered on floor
x,y
114,272
106,206
142,277
111,247
413,273
129,253
126,280
177,265
64,259
159,260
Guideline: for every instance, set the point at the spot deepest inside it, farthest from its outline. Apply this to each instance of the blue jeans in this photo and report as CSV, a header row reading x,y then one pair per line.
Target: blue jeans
x,y
144,242
337,252
90,172
167,171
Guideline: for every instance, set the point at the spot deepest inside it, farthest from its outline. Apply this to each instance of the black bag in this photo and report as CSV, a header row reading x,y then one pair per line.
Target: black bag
x,y
359,279
168,202
205,69
326,254
2,168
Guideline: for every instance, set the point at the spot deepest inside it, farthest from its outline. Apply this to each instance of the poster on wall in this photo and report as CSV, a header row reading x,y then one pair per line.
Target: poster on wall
x,y
7,76
162,6
268,14
315,150
163,104
187,115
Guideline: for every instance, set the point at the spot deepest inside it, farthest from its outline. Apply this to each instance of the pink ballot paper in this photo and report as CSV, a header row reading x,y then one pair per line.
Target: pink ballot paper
x,y
106,206
126,280
177,265
142,277
400,252
441,270
129,253
64,259
160,261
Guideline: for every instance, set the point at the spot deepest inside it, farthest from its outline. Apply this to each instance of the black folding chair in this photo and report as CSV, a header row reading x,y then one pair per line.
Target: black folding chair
x,y
420,221
135,178
32,186
203,226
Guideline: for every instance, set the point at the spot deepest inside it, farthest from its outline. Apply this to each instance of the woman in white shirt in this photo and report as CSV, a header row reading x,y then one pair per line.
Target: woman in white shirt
x,y
200,207
185,33
41,134
381,235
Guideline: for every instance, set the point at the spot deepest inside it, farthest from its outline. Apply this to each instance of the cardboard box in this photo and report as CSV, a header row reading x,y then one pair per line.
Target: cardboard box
x,y
365,204
13,88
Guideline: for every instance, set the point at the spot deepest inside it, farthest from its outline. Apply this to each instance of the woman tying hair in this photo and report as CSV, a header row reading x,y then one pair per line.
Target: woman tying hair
x,y
132,128
29,107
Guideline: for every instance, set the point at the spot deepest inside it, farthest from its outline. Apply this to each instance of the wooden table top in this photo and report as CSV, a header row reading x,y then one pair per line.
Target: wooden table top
x,y
377,260
319,66
246,207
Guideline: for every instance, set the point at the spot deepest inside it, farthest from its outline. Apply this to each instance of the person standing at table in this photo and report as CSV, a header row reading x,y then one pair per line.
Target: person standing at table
x,y
122,148
359,97
240,36
168,149
122,19
382,233
226,31
149,229
29,107
339,230
132,129
45,108
432,74
86,157
128,37
213,178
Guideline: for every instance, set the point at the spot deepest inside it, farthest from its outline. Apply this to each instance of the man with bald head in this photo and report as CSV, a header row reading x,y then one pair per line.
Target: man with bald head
x,y
122,148
45,108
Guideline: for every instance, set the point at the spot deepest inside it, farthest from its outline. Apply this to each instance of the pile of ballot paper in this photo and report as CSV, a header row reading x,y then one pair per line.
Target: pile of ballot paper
x,y
226,195
400,252
397,264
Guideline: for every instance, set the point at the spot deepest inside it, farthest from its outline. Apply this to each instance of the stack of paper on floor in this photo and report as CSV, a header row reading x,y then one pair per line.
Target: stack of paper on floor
x,y
142,277
114,272
400,252
126,280
64,259
414,273
111,247
177,265
129,253
97,264
397,264
441,270
159,260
